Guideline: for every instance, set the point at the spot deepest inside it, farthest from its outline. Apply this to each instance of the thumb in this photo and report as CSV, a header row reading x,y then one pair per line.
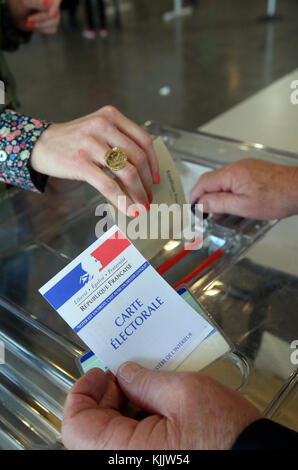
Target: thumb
x,y
55,6
148,389
223,203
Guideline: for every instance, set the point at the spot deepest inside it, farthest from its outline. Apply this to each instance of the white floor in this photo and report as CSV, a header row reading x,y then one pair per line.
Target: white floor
x,y
268,117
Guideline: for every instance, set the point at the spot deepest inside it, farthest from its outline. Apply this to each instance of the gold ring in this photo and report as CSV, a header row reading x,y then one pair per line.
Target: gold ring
x,y
115,159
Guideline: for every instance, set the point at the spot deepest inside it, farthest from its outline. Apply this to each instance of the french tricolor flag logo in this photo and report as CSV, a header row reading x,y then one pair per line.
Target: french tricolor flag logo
x,y
73,281
110,249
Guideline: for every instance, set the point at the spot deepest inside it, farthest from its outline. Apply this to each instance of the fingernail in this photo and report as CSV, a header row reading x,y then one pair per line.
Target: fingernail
x,y
133,213
157,178
128,371
52,14
147,206
46,3
30,23
150,197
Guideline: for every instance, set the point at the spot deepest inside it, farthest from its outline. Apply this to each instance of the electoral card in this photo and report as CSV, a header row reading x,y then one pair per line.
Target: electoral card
x,y
123,309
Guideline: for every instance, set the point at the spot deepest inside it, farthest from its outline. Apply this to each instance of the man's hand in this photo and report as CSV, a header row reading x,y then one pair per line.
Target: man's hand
x,y
36,15
185,411
76,150
249,188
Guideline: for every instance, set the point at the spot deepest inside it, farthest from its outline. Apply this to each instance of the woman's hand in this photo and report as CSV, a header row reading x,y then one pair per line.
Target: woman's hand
x,y
76,150
36,15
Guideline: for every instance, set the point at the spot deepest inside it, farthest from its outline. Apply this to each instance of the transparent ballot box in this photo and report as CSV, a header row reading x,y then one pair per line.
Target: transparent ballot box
x,y
244,277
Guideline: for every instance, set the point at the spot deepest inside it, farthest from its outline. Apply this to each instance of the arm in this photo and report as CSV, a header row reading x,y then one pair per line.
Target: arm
x,y
249,188
266,435
18,135
76,150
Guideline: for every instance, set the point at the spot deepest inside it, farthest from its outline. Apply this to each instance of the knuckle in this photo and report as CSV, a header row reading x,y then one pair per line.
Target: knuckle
x,y
80,159
98,123
110,110
86,141
140,159
187,389
245,163
147,141
102,123
203,178
243,172
131,173
236,169
109,187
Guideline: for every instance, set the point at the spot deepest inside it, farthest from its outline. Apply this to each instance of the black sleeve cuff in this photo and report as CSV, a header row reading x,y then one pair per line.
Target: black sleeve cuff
x,y
266,435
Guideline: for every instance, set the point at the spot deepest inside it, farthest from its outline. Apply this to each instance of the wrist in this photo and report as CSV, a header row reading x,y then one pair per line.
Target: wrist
x,y
38,161
17,143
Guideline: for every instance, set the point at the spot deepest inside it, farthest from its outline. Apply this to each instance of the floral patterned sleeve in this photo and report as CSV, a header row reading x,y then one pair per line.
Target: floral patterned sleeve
x,y
18,135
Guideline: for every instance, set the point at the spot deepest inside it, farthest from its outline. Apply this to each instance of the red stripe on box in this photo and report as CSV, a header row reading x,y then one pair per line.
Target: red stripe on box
x,y
178,256
217,254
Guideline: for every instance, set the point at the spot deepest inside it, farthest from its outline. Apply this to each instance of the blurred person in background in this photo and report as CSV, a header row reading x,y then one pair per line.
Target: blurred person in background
x,y
71,6
90,31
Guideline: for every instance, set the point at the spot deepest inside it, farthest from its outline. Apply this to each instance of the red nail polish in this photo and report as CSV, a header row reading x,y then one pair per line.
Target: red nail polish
x,y
52,14
147,206
46,3
30,23
157,178
133,213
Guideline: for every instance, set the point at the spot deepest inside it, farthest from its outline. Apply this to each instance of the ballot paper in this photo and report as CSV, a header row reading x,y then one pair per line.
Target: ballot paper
x,y
169,191
123,309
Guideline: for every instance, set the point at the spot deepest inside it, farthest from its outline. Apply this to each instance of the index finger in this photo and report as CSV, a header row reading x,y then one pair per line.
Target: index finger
x,y
54,8
136,133
90,411
39,17
210,182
